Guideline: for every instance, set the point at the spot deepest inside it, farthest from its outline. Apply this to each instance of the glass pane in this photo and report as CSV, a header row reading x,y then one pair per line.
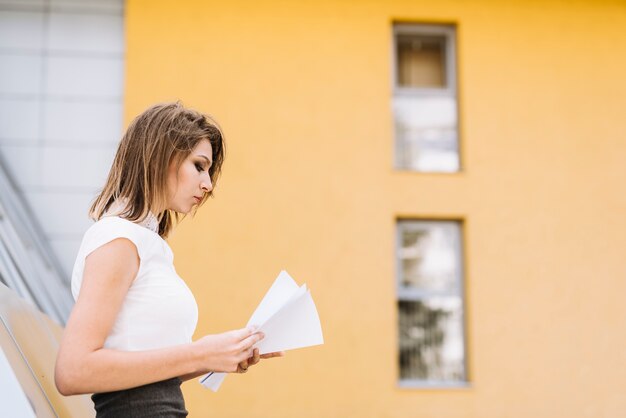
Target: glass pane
x,y
30,342
426,133
429,256
14,400
431,340
21,394
421,61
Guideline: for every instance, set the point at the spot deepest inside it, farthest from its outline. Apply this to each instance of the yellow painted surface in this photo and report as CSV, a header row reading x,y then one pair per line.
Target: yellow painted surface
x,y
303,92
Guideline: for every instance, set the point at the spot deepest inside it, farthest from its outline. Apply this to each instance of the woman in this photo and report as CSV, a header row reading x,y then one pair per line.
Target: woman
x,y
128,338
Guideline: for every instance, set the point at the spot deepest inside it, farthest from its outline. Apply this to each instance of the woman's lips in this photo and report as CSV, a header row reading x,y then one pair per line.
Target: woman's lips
x,y
198,200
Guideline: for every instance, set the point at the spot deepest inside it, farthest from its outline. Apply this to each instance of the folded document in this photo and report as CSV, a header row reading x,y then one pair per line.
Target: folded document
x,y
288,318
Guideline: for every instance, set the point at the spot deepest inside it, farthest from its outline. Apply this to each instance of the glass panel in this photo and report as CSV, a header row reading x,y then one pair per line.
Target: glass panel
x,y
429,256
30,341
21,395
13,399
426,133
421,61
431,340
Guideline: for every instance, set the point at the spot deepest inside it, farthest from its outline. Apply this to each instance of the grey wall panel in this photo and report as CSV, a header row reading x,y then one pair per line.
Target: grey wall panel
x,y
61,94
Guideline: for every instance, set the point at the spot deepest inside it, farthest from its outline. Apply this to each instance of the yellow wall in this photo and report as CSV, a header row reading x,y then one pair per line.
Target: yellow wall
x,y
303,92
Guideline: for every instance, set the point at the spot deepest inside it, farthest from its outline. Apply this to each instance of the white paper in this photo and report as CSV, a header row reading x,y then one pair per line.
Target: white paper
x,y
278,294
295,326
287,316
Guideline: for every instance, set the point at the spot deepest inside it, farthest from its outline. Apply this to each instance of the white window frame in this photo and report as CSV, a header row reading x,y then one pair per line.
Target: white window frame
x,y
451,74
404,294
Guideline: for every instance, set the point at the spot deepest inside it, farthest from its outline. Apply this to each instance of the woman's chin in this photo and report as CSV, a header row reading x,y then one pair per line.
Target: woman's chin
x,y
182,209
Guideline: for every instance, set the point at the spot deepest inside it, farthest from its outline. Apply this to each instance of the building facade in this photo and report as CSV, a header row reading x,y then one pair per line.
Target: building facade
x,y
522,207
446,178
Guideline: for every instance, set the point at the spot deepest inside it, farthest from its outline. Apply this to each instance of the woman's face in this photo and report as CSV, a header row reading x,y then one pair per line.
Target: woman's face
x,y
187,184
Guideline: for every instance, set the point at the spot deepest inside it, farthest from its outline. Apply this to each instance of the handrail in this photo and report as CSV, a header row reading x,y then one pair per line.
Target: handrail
x,y
27,263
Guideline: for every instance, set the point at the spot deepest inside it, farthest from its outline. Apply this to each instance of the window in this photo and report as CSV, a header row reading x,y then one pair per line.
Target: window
x,y
430,304
424,98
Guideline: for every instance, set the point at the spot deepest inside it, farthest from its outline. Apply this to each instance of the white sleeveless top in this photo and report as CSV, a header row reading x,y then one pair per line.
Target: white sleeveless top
x,y
159,309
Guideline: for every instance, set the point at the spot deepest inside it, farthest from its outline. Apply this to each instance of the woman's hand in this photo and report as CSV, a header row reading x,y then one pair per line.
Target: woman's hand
x,y
244,365
225,352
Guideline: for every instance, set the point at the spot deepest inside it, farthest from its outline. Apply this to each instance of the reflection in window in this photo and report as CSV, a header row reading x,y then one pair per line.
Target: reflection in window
x,y
421,60
426,133
430,303
424,101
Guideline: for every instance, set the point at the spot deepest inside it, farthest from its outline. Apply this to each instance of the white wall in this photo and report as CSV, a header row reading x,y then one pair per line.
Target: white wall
x,y
61,87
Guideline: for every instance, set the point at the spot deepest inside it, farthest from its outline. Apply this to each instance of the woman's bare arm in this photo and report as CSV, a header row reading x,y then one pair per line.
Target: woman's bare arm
x,y
84,366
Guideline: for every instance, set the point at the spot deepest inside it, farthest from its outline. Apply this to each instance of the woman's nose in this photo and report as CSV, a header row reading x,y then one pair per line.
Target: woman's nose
x,y
207,186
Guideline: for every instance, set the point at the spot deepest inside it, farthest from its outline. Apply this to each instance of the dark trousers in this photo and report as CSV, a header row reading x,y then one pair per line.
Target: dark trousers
x,y
159,400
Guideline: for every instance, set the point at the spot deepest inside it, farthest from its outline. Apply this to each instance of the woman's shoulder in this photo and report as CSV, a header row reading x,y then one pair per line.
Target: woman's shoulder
x,y
109,228
117,223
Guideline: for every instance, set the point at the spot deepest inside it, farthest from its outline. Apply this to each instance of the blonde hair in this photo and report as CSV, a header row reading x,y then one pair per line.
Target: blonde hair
x,y
163,134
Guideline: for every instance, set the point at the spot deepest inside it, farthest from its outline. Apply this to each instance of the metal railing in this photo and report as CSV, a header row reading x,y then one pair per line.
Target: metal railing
x,y
27,263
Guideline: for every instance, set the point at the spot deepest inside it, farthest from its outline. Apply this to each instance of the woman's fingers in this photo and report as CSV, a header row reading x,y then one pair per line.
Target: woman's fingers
x,y
244,365
250,340
256,357
249,336
271,355
243,333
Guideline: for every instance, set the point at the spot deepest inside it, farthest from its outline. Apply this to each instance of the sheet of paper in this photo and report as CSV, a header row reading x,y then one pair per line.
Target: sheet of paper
x,y
213,380
287,316
295,326
279,293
